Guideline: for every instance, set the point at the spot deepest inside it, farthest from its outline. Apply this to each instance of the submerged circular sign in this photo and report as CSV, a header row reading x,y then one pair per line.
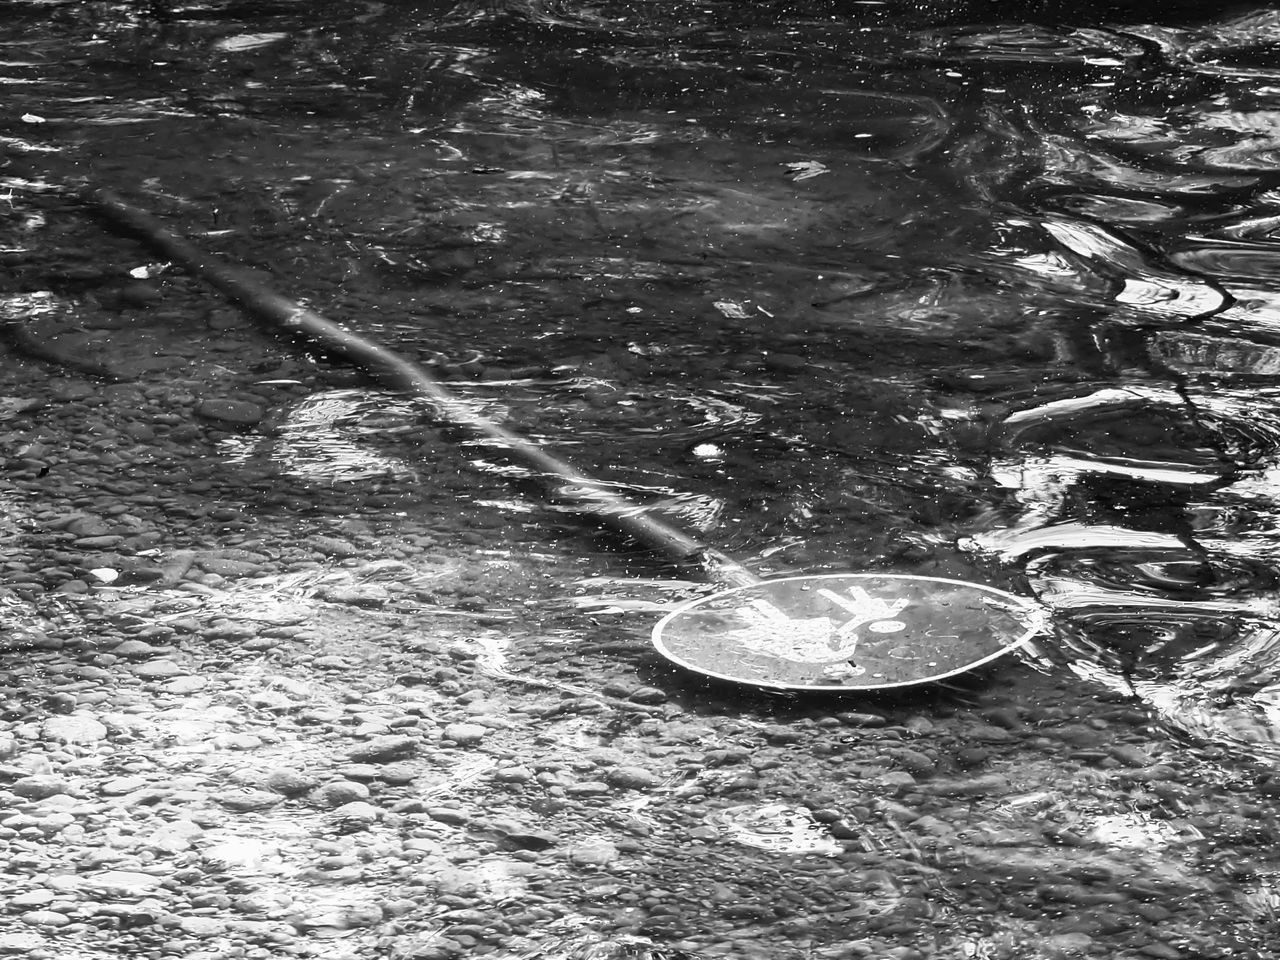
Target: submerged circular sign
x,y
852,631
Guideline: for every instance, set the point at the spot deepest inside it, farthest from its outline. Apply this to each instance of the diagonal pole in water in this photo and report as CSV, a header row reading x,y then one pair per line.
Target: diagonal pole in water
x,y
722,635
561,480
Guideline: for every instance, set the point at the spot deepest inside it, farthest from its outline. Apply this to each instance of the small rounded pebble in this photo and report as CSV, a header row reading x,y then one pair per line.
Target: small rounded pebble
x,y
248,799
39,786
650,696
45,918
384,749
631,778
335,793
240,413
465,734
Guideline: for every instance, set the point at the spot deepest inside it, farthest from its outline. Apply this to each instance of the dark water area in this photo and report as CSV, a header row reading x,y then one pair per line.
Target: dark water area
x,y
986,291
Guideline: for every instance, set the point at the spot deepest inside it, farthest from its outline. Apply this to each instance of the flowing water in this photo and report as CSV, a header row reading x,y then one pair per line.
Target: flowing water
x,y
949,290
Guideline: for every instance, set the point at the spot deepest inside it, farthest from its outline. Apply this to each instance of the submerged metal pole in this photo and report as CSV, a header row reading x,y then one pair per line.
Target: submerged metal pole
x,y
560,479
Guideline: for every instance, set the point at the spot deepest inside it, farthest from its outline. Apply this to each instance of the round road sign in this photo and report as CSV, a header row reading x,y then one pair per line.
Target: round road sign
x,y
846,632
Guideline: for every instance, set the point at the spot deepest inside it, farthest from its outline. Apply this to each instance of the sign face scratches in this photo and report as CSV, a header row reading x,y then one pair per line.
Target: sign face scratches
x,y
846,631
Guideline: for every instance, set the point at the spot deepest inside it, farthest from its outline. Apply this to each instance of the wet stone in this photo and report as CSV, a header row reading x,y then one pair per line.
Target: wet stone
x,y
237,412
397,773
449,815
105,542
289,782
33,898
231,569
175,837
120,786
988,733
897,780
236,741
203,927
914,762
465,734
893,810
357,815
522,837
128,914
992,784
781,734
649,696
181,686
369,595
1154,773
83,525
159,670
120,883
246,800
38,787
76,728
618,688
1131,756
333,547
138,650
1070,944
631,778
54,823
933,826
971,757
385,749
339,792
359,771
593,853
227,630
588,788
513,775
45,918
1080,737
20,943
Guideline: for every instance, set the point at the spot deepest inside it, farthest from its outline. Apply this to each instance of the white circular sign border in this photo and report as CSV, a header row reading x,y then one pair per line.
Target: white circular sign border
x,y
1039,619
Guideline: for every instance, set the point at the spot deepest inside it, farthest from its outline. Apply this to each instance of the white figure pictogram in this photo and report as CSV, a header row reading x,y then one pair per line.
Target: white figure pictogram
x,y
866,609
822,640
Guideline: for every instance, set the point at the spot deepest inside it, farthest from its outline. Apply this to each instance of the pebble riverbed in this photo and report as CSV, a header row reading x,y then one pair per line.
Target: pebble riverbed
x,y
246,714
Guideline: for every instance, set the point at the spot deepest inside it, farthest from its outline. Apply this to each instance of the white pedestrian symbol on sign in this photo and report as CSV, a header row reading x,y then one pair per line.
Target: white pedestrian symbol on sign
x,y
865,608
852,631
823,639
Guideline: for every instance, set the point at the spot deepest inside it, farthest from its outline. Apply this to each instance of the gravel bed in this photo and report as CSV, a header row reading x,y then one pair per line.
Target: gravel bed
x,y
248,711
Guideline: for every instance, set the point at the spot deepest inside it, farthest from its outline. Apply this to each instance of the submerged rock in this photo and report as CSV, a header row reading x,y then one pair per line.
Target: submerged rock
x,y
384,749
241,413
465,734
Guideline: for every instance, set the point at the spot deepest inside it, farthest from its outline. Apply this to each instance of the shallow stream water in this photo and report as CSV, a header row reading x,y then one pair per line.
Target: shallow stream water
x,y
965,292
